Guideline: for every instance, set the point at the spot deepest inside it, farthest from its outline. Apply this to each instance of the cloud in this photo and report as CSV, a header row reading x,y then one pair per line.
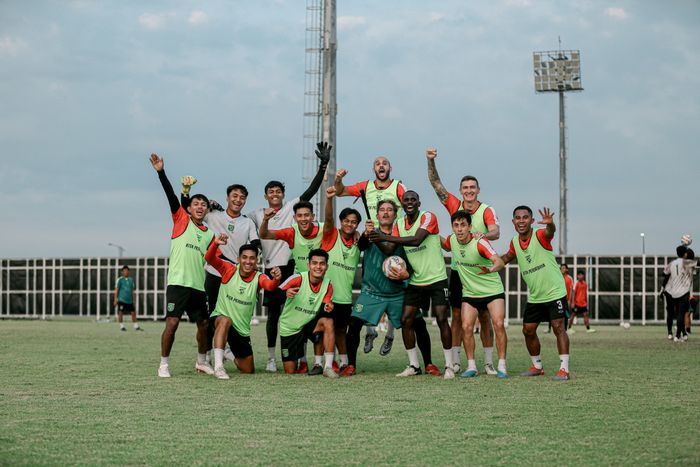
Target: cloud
x,y
351,22
616,13
197,17
154,21
436,17
10,46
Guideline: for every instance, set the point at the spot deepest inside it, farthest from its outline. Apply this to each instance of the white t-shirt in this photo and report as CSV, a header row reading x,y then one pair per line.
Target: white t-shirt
x,y
275,252
681,272
240,230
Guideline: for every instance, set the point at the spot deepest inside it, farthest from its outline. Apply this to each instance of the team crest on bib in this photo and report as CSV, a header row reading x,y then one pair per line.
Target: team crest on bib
x,y
528,258
199,237
311,301
345,255
461,252
241,290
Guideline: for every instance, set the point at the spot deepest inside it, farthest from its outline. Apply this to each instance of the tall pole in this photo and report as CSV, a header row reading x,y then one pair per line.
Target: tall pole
x,y
562,175
329,109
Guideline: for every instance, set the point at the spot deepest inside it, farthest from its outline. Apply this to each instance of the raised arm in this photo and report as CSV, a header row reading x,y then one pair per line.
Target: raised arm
x,y
213,253
340,188
548,221
323,152
328,221
159,166
440,190
264,232
444,243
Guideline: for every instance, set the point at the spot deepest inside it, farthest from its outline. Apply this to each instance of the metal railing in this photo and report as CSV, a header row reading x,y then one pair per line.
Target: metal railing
x,y
621,288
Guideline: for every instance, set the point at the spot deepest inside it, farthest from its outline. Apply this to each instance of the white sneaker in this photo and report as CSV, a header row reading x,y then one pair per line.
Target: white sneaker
x,y
271,366
670,337
449,373
164,371
685,337
457,368
409,371
204,368
675,339
329,372
490,370
228,355
220,373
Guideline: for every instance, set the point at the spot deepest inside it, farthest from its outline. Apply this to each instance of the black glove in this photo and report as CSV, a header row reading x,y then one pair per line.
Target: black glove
x,y
215,206
324,152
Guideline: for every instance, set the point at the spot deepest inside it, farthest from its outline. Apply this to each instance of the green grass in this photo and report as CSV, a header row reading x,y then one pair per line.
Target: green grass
x,y
85,393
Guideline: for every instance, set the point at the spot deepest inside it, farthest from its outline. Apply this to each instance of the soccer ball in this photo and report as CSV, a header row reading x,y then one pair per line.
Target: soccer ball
x,y
686,240
393,262
626,325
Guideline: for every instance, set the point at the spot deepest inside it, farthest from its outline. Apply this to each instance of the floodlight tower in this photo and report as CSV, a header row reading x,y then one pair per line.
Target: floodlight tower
x,y
559,71
320,107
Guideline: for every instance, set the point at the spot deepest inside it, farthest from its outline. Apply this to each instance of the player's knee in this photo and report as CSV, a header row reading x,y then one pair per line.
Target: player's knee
x,y
467,327
529,331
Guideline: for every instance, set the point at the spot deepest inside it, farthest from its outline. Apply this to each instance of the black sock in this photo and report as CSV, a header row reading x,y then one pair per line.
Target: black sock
x,y
352,339
422,339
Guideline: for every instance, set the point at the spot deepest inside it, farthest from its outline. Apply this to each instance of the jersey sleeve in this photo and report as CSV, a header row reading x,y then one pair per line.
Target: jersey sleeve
x,y
224,268
544,241
328,298
490,216
354,190
180,221
266,283
452,204
117,284
511,249
286,235
429,222
293,281
485,249
328,239
400,190
448,242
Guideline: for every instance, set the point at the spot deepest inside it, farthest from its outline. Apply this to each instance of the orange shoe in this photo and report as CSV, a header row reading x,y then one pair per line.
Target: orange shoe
x,y
433,370
348,371
336,368
532,371
303,368
563,375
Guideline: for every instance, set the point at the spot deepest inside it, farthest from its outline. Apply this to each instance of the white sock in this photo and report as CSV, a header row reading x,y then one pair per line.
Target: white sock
x,y
564,362
218,358
207,359
488,355
448,357
271,352
165,361
328,356
413,357
228,353
343,359
390,330
201,358
536,361
455,354
136,325
502,365
471,365
318,359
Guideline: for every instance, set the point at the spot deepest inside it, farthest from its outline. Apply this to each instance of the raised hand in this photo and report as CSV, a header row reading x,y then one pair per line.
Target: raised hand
x,y
369,227
221,239
547,216
215,206
340,174
187,181
276,273
269,213
157,162
484,270
431,153
291,292
330,192
323,152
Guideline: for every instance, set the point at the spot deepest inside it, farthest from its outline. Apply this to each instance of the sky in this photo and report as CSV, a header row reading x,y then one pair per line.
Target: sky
x,y
89,89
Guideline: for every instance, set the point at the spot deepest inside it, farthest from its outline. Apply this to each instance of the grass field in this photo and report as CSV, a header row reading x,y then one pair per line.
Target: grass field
x,y
76,392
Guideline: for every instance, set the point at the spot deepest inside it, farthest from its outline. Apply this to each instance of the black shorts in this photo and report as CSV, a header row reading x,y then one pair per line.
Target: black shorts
x,y
580,310
186,299
455,290
277,296
481,303
340,315
293,346
548,311
125,307
212,284
240,345
420,296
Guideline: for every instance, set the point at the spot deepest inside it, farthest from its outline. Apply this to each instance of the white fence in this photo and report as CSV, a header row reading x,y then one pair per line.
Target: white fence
x,y
622,288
